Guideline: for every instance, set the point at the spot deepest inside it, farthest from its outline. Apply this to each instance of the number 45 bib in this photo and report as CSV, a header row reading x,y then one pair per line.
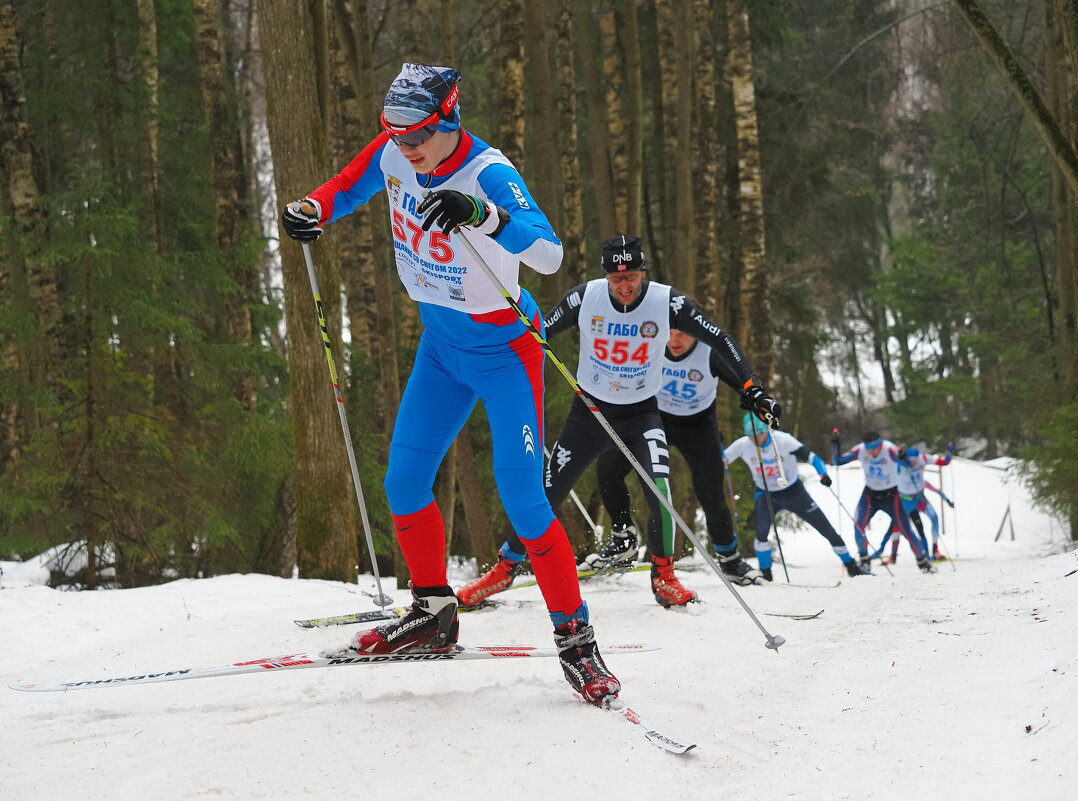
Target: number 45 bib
x,y
621,352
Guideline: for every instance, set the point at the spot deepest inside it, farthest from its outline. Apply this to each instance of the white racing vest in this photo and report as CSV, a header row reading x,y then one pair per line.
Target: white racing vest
x,y
911,479
621,353
745,449
433,266
687,386
881,472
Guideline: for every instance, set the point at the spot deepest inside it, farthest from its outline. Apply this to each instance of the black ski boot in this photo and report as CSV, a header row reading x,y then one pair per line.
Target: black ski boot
x,y
738,570
582,664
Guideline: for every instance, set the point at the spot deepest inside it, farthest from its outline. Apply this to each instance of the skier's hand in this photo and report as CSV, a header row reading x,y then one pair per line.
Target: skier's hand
x,y
300,221
449,209
755,400
825,480
948,501
902,452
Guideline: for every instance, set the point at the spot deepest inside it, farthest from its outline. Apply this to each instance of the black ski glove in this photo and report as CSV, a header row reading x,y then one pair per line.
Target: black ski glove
x,y
755,400
449,209
300,225
825,480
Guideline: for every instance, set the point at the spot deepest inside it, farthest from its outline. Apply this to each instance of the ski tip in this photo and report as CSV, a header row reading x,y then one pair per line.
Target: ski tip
x,y
632,647
668,743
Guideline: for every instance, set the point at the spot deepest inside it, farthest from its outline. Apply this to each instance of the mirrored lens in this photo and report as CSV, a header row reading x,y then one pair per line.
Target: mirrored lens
x,y
414,138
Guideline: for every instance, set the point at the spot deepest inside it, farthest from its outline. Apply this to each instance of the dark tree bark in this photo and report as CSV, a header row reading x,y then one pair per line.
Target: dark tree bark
x,y
325,500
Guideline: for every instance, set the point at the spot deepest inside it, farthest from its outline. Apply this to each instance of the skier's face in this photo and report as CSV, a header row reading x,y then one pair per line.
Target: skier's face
x,y
625,287
425,157
679,342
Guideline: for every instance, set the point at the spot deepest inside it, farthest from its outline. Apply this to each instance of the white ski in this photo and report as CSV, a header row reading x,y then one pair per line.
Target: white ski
x,y
314,659
665,741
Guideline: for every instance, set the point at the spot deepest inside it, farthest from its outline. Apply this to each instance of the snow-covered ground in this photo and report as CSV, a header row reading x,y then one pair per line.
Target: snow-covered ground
x,y
959,685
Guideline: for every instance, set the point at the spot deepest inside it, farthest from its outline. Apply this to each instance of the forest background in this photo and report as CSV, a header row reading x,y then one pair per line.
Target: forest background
x,y
879,198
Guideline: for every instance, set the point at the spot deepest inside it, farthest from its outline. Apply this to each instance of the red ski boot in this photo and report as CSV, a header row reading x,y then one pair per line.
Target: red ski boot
x,y
498,578
666,586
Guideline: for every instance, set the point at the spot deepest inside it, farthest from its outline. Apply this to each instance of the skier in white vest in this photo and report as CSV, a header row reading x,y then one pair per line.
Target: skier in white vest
x,y
690,383
879,461
624,322
440,178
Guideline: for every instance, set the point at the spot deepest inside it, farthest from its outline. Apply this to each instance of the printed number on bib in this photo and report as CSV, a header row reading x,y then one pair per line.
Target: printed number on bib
x,y
618,351
437,246
684,391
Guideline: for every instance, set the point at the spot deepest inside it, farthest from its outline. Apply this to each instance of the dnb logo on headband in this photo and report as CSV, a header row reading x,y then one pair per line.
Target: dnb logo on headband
x,y
622,253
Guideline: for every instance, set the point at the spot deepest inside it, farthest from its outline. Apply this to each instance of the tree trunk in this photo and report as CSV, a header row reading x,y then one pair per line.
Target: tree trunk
x,y
634,114
471,496
1062,148
509,58
589,65
542,147
705,159
29,297
325,501
612,72
379,294
228,185
1061,62
755,330
572,222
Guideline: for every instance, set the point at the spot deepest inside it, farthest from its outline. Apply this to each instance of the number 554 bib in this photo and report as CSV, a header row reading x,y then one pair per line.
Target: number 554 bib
x,y
621,352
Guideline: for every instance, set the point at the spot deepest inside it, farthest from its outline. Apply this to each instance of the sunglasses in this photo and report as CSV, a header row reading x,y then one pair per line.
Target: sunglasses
x,y
412,135
418,133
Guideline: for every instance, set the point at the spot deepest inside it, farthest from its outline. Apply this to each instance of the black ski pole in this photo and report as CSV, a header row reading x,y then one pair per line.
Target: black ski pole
x,y
381,599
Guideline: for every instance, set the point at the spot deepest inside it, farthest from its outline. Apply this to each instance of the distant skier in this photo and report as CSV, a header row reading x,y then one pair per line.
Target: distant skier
x,y
623,322
911,489
690,380
879,461
792,498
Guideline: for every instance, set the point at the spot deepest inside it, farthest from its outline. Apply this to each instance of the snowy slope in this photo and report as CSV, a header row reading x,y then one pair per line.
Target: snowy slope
x,y
916,687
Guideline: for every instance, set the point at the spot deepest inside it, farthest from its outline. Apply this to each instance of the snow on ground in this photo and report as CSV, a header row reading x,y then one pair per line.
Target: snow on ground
x,y
959,685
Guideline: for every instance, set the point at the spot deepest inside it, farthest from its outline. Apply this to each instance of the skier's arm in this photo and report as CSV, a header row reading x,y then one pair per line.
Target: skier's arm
x,y
727,359
356,184
566,314
803,454
846,457
736,450
523,229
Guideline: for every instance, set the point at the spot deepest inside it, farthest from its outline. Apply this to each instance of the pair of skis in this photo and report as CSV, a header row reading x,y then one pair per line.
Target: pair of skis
x,y
349,658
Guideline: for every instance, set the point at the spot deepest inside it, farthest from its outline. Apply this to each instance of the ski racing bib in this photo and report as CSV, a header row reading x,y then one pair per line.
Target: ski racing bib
x,y
621,353
687,385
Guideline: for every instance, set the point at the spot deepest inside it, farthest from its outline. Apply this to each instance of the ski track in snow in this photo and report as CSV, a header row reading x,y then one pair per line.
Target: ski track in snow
x,y
917,687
